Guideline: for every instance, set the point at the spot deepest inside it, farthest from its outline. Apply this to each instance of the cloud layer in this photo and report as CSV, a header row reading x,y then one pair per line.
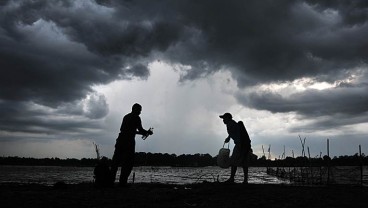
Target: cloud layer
x,y
53,54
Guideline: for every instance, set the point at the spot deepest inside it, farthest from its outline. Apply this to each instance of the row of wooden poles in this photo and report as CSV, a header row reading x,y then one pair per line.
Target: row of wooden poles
x,y
291,170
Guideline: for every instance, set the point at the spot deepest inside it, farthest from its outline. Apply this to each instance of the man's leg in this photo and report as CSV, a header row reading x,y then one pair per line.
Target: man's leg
x,y
126,169
245,168
232,173
127,165
116,159
234,163
115,165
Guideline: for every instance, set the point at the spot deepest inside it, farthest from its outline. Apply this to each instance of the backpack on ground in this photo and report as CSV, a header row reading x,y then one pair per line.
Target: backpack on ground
x,y
102,173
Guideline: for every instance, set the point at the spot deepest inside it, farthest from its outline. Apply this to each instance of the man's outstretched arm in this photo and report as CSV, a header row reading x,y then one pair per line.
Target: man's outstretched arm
x,y
141,130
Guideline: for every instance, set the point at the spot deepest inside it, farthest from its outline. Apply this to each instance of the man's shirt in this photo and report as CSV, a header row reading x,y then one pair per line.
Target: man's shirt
x,y
130,124
234,131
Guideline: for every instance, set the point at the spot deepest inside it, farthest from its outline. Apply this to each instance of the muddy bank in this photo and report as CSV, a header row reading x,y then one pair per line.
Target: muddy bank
x,y
193,195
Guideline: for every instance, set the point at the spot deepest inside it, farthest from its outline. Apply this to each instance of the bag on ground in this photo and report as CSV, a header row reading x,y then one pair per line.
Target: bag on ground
x,y
102,174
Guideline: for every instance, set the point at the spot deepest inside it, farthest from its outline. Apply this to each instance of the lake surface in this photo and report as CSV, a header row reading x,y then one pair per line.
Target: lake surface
x,y
49,175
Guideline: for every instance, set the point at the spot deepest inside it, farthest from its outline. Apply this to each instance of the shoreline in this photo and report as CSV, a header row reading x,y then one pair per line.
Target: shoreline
x,y
189,195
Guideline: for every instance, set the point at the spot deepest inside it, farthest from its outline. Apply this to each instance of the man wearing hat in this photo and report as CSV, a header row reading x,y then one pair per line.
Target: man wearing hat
x,y
242,148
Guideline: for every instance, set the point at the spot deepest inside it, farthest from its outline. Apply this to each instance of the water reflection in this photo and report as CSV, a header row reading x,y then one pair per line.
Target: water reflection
x,y
168,175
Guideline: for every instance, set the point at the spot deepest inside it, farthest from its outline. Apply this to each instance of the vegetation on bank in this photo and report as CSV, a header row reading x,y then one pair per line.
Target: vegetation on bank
x,y
141,159
187,160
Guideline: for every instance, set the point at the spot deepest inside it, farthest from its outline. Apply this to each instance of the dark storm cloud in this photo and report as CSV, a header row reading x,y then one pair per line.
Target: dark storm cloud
x,y
335,122
29,117
353,12
345,104
53,52
262,41
138,70
328,102
50,73
268,41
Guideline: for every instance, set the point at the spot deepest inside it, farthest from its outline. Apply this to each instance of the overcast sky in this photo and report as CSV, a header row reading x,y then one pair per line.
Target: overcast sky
x,y
71,69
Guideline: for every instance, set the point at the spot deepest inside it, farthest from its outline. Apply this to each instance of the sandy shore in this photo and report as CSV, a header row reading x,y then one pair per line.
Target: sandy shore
x,y
195,195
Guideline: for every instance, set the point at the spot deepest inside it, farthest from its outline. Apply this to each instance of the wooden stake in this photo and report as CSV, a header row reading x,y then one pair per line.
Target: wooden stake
x,y
328,162
361,165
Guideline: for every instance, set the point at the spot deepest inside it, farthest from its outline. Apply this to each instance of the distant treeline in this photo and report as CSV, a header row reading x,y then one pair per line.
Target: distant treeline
x,y
187,160
344,160
141,159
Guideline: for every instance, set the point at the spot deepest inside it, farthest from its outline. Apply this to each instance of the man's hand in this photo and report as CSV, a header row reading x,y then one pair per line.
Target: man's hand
x,y
148,132
227,140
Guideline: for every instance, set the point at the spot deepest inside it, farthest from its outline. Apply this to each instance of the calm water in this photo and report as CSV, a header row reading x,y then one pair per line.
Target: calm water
x,y
168,175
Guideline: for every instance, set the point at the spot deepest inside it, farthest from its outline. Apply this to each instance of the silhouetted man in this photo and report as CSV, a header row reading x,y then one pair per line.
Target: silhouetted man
x,y
125,144
242,148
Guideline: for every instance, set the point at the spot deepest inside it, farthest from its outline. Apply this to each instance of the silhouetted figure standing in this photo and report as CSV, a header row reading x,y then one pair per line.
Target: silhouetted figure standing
x,y
242,148
125,144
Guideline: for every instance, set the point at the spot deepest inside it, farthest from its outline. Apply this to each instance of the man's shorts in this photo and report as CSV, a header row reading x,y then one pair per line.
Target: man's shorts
x,y
240,155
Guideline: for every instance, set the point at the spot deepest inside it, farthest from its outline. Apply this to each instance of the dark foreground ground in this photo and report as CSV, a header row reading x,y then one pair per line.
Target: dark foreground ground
x,y
196,195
